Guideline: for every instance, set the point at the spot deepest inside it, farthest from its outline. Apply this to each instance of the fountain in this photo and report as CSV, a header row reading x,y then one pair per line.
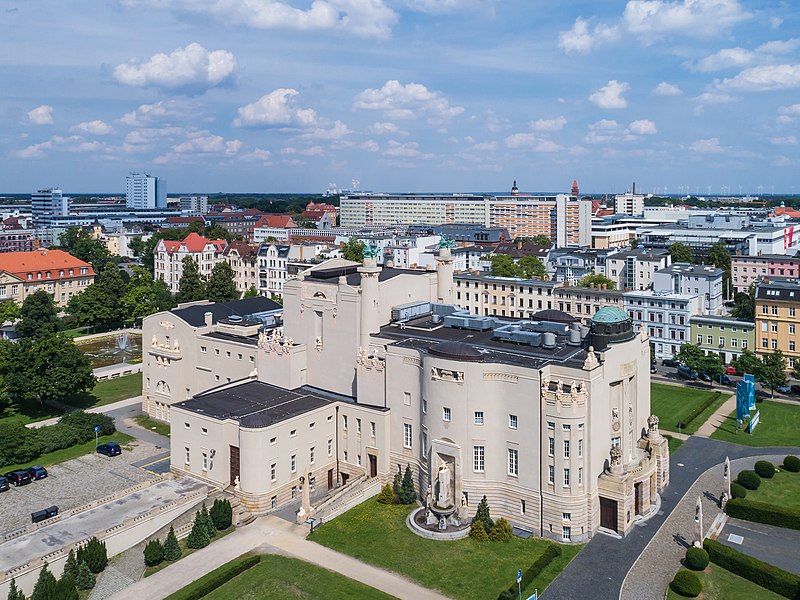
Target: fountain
x,y
122,341
440,518
111,350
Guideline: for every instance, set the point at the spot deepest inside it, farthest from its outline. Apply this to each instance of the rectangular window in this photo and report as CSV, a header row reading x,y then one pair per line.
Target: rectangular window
x,y
311,455
513,462
294,492
186,458
407,435
186,426
273,502
551,474
512,421
273,441
734,343
522,506
566,533
205,461
293,433
580,448
204,431
774,344
407,398
566,427
773,327
566,516
580,475
203,349
372,428
566,448
358,425
312,425
551,424
445,414
721,342
424,406
478,458
566,477
710,340
293,463
330,447
616,442
551,446
791,328
344,422
273,472
478,417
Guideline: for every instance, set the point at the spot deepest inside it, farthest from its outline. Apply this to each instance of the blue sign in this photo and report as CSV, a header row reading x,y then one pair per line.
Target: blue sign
x,y
752,380
754,421
745,397
97,428
519,575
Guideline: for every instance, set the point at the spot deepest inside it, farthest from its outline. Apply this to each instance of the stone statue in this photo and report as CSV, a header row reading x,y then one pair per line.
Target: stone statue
x,y
236,483
560,387
630,415
726,475
616,456
263,342
463,501
429,498
444,498
591,360
176,345
573,389
318,343
582,388
698,524
545,383
154,341
652,424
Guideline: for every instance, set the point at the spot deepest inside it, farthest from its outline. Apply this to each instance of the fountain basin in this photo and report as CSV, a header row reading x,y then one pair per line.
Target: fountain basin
x,y
417,523
106,351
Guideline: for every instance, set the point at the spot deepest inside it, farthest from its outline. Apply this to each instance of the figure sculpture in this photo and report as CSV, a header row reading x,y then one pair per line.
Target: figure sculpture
x,y
154,341
444,499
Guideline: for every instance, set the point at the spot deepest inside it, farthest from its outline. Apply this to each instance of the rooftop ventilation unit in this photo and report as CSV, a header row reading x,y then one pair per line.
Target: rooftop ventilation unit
x,y
406,312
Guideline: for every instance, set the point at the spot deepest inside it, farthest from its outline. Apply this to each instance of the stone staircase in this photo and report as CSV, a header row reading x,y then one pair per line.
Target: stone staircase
x,y
241,516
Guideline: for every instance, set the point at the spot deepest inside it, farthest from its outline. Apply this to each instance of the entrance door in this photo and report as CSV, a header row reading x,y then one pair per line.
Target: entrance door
x,y
234,463
608,513
330,479
373,465
637,498
345,477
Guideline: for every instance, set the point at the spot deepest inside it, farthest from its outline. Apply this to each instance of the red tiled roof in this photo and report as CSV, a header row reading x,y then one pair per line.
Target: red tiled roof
x,y
42,261
194,242
281,221
243,248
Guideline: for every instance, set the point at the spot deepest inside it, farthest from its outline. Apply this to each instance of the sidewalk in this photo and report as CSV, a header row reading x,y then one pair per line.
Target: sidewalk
x,y
270,534
106,408
718,418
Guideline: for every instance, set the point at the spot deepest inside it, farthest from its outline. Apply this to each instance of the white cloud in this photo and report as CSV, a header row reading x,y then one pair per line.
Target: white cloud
x,y
407,101
164,110
337,132
694,18
789,140
276,109
313,151
666,89
724,59
764,78
192,68
203,142
714,98
556,124
364,18
530,141
775,22
383,128
96,127
643,127
41,115
779,46
784,119
485,146
707,146
370,146
257,155
580,39
71,144
407,150
610,95
792,109
435,7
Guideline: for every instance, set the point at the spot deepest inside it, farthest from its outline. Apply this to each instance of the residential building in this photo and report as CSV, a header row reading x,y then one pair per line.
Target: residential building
x,y
582,302
611,232
748,270
193,206
272,269
722,335
665,318
243,259
776,311
360,382
118,242
272,226
169,257
46,205
570,265
511,297
700,280
58,273
143,190
199,346
18,240
629,204
634,269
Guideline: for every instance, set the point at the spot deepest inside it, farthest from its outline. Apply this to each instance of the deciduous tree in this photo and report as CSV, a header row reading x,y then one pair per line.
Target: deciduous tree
x,y
531,267
503,266
38,316
773,370
190,286
747,362
681,253
221,286
353,250
598,279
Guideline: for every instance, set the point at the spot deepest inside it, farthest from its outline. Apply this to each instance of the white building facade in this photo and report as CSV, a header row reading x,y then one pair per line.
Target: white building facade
x,y
665,318
143,190
169,256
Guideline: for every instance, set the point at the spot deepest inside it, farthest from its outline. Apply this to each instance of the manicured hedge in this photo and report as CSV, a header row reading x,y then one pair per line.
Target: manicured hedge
x,y
204,586
549,555
687,584
765,469
696,559
749,479
698,410
791,463
738,491
759,572
761,512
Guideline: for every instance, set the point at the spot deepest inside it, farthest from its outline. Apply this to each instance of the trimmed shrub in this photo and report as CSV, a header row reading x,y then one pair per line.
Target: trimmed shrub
x,y
153,553
501,531
552,552
759,572
408,495
738,491
687,584
760,512
477,531
482,514
207,522
221,514
94,554
397,484
696,559
85,579
386,495
172,550
749,480
765,469
792,464
698,410
198,537
201,589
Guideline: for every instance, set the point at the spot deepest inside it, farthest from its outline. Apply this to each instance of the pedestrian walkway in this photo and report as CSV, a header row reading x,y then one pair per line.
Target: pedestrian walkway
x,y
718,418
661,559
270,534
106,408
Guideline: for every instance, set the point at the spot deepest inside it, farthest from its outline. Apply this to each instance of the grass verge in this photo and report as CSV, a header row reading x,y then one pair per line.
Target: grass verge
x,y
377,534
59,456
108,392
782,490
779,424
146,422
692,406
721,584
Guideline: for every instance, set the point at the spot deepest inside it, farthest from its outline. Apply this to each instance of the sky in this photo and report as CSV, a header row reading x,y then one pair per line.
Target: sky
x,y
680,96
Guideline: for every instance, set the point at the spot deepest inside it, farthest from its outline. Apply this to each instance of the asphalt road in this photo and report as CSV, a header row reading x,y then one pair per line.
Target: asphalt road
x,y
600,568
775,545
123,419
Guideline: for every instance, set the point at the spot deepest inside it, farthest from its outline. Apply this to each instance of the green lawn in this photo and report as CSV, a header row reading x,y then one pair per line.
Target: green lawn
x,y
464,569
781,490
674,443
60,456
280,577
673,403
779,426
719,584
28,412
185,551
158,426
108,392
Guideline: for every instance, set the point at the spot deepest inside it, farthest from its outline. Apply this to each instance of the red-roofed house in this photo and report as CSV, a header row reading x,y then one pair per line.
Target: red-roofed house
x,y
57,272
169,257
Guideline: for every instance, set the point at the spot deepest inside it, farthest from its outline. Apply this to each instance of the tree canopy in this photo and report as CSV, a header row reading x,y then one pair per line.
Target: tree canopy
x,y
38,316
9,311
773,370
80,244
101,302
747,362
353,250
719,256
221,286
744,305
190,286
598,279
681,253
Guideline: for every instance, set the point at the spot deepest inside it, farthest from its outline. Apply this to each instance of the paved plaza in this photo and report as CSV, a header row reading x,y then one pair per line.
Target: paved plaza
x,y
776,545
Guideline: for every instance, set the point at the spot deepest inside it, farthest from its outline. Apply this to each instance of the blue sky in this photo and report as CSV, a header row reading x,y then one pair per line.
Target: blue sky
x,y
401,95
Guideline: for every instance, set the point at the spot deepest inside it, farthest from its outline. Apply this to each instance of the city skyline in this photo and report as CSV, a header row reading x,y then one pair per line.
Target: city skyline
x,y
419,95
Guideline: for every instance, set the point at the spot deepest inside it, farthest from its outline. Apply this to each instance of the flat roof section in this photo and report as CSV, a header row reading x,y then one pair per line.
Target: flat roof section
x,y
255,404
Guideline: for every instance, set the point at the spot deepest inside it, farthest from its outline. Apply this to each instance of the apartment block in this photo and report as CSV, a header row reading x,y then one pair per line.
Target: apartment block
x,y
721,335
776,312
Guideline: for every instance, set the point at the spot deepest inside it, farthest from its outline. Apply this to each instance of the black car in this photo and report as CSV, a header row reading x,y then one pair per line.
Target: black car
x,y
669,362
724,379
18,478
109,449
37,472
3,484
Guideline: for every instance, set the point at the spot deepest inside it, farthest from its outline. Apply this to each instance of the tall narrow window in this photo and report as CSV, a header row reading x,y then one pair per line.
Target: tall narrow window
x,y
513,462
407,435
477,458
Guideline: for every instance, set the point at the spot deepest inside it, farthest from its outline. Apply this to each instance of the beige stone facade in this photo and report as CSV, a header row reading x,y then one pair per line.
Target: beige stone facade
x,y
58,273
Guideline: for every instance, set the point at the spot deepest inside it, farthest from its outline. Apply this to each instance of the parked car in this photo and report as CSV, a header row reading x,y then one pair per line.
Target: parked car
x,y
3,484
18,478
724,379
41,515
705,376
783,389
686,372
653,368
109,449
730,370
670,362
37,472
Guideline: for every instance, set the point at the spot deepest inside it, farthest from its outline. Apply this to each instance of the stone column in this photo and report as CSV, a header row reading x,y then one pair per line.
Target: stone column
x,y
698,524
444,277
370,301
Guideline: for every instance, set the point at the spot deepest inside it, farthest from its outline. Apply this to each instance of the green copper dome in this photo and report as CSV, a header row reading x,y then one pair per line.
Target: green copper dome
x,y
610,314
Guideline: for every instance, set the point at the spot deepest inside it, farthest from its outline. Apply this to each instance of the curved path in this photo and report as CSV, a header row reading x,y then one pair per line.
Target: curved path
x,y
600,568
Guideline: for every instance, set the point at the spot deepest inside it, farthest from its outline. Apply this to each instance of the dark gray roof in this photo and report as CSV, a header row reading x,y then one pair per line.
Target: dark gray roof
x,y
354,277
255,404
457,351
779,289
194,315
